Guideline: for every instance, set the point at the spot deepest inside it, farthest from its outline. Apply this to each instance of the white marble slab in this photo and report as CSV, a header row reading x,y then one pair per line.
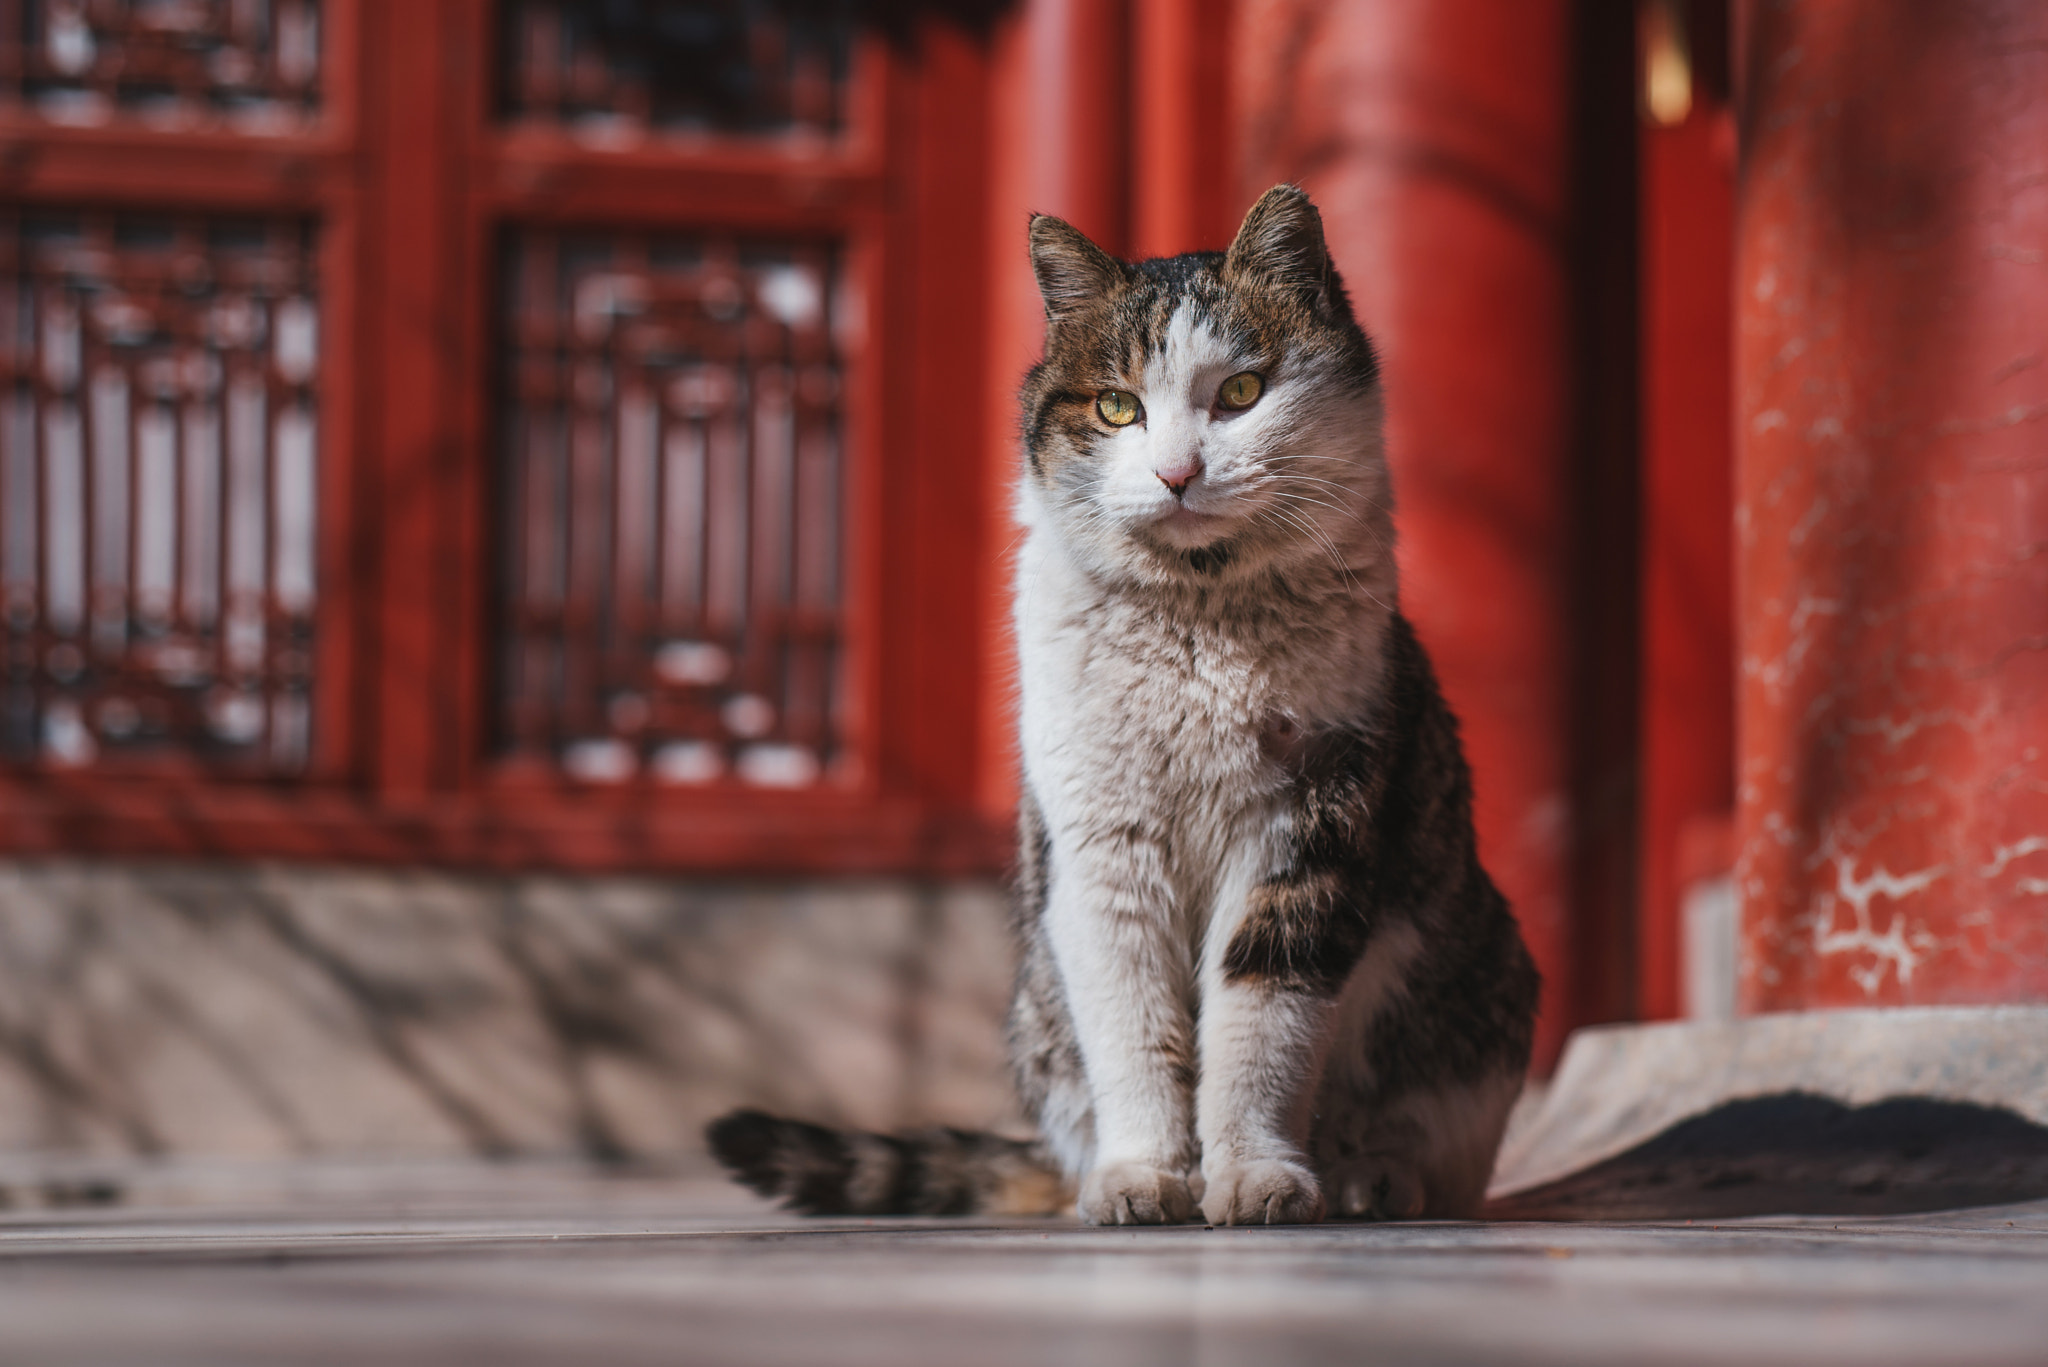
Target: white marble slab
x,y
1618,1086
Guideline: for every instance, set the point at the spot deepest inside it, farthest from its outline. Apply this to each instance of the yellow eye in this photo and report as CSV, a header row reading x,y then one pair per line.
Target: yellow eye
x,y
1241,390
1117,408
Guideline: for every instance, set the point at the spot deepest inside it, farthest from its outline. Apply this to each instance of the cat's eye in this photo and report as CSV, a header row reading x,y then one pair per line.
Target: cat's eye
x,y
1118,408
1241,390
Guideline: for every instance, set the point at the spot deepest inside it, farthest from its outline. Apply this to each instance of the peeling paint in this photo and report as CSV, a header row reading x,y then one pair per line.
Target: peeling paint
x,y
1892,509
2019,849
1895,733
1803,528
1897,945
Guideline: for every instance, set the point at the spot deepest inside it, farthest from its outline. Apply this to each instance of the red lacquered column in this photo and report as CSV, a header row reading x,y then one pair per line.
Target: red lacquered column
x,y
1892,503
1688,580
1434,138
1058,144
1182,191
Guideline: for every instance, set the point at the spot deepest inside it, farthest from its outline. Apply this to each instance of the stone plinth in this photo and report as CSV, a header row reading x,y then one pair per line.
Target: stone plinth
x,y
262,1011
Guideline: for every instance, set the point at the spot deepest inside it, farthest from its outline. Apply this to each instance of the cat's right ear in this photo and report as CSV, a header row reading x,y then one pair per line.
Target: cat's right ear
x,y
1073,272
1281,246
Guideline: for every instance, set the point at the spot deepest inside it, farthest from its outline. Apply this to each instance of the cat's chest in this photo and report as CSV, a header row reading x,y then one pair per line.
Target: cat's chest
x,y
1169,678
1141,711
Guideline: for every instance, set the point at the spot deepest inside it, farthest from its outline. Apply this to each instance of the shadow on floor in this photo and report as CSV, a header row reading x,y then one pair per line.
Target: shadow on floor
x,y
1796,1153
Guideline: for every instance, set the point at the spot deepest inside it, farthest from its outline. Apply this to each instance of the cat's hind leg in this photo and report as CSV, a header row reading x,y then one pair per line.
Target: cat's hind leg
x,y
1424,1155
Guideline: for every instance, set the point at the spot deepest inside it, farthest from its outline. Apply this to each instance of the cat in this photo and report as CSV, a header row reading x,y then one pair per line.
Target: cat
x,y
1263,977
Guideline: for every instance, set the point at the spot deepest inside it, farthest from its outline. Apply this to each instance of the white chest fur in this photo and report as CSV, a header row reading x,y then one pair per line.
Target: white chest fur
x,y
1148,716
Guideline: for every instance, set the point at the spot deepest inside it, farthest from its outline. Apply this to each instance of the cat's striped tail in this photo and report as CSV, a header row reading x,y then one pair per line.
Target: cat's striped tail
x,y
847,1172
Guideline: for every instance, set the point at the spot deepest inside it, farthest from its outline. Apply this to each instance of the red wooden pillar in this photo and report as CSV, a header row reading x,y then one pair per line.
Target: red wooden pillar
x,y
426,548
1181,163
1688,614
931,689
1057,145
1435,139
1892,420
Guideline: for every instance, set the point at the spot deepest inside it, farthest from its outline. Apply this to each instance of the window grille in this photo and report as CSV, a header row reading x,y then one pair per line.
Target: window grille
x,y
158,400
620,69
672,498
251,64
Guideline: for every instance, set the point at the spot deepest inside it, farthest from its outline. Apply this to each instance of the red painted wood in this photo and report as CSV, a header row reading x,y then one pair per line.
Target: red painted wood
x,y
880,277
1892,503
543,174
1182,158
1688,685
1058,144
126,166
416,98
739,832
338,640
1434,138
339,643
468,302
936,583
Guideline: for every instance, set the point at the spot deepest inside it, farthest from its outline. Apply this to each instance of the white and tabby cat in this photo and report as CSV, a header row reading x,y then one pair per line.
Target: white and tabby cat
x,y
1263,977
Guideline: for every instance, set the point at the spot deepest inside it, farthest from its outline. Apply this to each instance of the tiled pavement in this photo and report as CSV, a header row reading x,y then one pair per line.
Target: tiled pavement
x,y
537,1264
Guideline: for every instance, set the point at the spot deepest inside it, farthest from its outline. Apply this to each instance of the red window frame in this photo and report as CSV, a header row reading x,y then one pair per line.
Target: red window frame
x,y
411,176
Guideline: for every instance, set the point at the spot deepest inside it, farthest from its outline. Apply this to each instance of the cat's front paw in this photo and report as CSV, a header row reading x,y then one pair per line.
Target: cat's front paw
x,y
1136,1194
1378,1189
1265,1191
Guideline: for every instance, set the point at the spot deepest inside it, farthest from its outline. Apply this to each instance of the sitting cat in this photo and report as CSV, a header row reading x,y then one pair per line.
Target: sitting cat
x,y
1263,976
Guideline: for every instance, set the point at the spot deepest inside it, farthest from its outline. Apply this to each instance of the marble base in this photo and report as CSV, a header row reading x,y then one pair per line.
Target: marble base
x,y
1821,1106
273,1010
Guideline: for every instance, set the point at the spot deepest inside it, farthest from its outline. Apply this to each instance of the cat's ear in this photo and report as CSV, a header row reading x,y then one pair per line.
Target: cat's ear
x,y
1280,246
1072,271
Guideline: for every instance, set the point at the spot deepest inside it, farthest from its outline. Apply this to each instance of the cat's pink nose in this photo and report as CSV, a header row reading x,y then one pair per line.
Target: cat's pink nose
x,y
1180,474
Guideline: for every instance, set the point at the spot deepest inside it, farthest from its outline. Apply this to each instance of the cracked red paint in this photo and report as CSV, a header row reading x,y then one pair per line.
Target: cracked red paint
x,y
1892,432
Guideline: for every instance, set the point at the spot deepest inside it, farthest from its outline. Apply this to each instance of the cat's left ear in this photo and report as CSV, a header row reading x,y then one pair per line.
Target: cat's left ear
x,y
1281,247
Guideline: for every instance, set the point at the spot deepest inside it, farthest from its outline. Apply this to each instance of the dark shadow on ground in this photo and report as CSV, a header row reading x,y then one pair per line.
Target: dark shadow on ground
x,y
1799,1154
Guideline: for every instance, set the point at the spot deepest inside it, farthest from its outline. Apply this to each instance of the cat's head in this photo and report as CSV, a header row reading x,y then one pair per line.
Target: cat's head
x,y
1209,415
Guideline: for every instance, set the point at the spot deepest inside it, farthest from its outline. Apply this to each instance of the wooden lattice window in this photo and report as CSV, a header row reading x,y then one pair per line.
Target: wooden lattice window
x,y
487,431
158,504
253,65
674,507
622,71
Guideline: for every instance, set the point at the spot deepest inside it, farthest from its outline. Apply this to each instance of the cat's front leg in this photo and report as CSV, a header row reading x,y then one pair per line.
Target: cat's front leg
x,y
1267,1015
1127,977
